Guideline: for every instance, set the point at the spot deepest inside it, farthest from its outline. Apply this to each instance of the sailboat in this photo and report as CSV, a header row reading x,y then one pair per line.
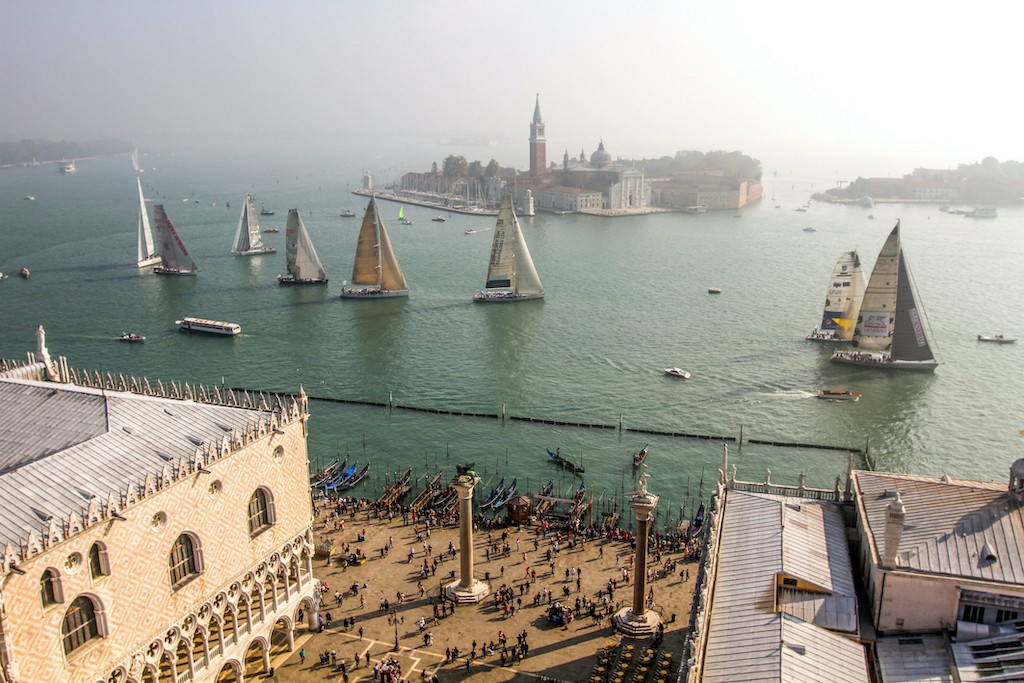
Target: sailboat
x,y
135,161
248,241
890,332
147,254
401,216
511,275
304,267
842,301
174,258
375,273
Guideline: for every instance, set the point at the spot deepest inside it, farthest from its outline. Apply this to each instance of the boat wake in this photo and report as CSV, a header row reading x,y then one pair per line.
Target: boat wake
x,y
788,394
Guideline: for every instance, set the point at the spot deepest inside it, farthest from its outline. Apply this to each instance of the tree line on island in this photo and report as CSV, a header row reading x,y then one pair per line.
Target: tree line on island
x,y
27,151
735,165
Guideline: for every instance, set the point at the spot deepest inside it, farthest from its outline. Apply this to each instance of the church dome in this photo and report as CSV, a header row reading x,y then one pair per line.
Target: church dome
x,y
600,157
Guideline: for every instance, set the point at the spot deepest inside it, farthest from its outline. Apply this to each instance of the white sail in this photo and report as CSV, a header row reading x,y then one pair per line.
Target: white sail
x,y
147,255
511,275
135,160
248,241
174,258
890,329
303,264
842,300
375,272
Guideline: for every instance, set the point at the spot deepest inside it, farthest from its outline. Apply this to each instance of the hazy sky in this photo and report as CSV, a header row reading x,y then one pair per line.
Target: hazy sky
x,y
906,83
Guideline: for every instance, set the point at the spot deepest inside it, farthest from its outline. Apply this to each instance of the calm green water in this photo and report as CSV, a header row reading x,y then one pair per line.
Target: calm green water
x,y
625,298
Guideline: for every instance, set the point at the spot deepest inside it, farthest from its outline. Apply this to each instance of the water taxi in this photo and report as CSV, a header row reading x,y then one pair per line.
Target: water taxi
x,y
837,395
208,326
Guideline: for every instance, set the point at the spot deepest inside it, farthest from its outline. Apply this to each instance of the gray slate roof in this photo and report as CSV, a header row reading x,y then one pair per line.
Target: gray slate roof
x,y
60,445
763,536
948,524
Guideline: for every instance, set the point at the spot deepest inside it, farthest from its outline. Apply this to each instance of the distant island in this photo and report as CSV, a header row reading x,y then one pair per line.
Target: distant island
x,y
597,184
27,152
986,181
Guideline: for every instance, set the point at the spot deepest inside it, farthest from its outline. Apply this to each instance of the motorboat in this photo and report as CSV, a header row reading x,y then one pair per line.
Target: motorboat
x,y
714,290
996,338
837,395
271,230
29,198
640,456
982,212
470,231
347,213
677,372
264,211
24,273
699,208
131,337
810,230
68,166
438,219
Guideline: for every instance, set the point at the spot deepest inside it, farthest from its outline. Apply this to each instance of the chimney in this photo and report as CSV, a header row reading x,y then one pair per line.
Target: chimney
x,y
895,514
1017,481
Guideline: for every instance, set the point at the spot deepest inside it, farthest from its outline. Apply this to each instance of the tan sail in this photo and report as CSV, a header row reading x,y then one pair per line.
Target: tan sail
x,y
375,272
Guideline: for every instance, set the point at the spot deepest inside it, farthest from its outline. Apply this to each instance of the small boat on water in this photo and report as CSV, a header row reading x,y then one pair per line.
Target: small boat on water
x,y
699,208
347,213
837,395
996,338
677,372
264,211
438,219
29,198
714,290
470,231
68,166
131,337
494,495
271,229
982,212
24,273
640,456
564,462
512,490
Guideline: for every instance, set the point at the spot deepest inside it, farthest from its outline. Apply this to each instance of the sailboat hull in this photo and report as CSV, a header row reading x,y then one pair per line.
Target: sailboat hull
x,y
151,261
372,293
160,270
289,280
256,252
881,361
497,296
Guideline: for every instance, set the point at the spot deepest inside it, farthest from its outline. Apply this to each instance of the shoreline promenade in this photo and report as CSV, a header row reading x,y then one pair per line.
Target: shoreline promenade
x,y
399,552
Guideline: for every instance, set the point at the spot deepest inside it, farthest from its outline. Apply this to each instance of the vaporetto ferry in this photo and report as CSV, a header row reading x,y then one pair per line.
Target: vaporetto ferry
x,y
208,326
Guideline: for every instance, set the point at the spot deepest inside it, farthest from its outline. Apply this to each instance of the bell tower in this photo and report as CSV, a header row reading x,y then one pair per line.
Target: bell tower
x,y
538,143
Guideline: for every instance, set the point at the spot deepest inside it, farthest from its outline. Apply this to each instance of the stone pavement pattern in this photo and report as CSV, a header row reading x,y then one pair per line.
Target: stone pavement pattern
x,y
554,653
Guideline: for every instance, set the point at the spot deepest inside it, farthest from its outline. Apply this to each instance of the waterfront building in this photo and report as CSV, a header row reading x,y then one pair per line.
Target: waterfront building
x,y
150,532
940,568
708,189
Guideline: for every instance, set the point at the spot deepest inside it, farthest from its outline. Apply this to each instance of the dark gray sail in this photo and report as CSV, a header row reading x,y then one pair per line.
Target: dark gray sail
x,y
908,338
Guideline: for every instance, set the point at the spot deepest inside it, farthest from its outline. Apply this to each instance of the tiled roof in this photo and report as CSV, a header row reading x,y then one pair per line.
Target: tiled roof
x,y
950,525
62,445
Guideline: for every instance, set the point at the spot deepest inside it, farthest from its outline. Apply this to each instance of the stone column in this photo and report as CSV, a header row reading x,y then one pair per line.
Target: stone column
x,y
637,621
467,588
